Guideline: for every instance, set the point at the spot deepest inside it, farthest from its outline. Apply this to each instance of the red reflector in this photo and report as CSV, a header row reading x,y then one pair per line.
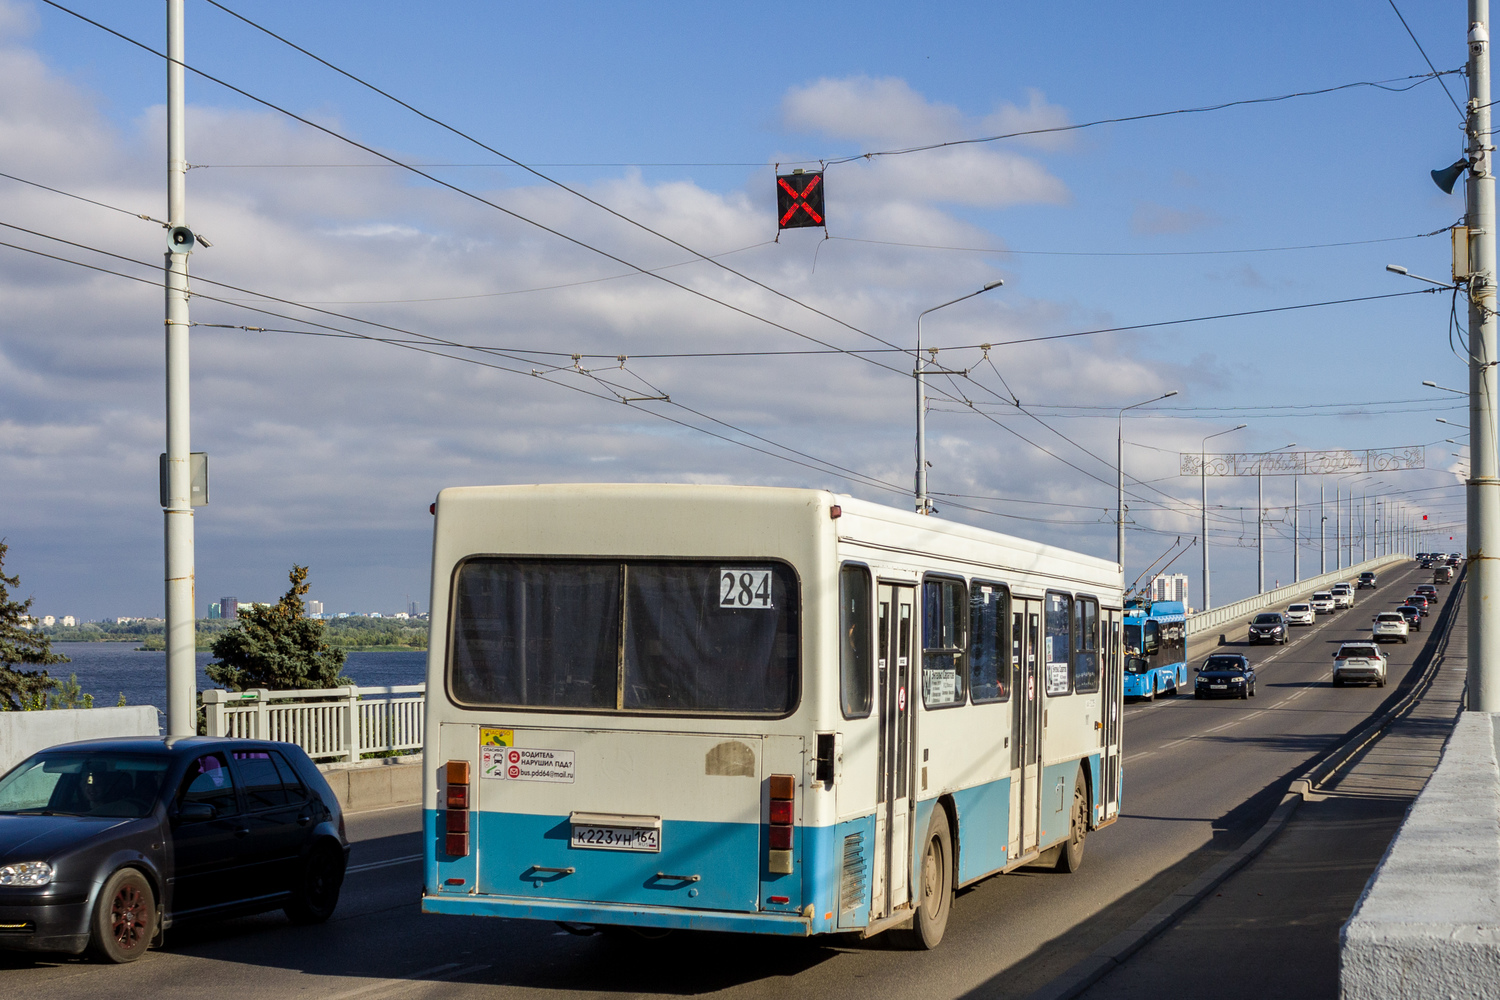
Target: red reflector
x,y
456,845
453,881
432,508
835,512
780,900
781,838
781,812
782,785
458,796
458,821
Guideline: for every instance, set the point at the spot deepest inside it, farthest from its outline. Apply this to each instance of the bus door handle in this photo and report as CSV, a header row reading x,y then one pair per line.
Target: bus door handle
x,y
665,877
537,869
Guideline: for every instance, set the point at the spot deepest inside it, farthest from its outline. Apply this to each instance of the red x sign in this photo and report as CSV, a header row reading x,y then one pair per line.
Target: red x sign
x,y
799,200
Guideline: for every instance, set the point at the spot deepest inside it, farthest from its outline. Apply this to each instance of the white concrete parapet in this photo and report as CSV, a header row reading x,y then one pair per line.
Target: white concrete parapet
x,y
1428,923
24,733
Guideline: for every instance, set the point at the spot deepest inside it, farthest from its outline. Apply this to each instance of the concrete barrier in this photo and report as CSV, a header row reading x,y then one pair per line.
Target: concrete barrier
x,y
376,784
1428,922
24,733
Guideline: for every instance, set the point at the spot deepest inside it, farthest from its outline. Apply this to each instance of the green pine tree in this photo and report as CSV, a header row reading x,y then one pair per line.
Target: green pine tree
x,y
21,689
277,647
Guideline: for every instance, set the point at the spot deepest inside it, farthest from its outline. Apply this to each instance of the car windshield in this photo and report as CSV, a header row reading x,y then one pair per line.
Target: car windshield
x,y
1216,663
1322,595
1268,619
1390,616
1298,607
57,783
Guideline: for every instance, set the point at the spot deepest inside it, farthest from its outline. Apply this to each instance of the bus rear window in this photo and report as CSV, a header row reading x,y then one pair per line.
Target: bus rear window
x,y
637,636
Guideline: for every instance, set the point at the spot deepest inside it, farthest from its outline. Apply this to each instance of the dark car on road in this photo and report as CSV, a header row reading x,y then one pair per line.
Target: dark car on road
x,y
1413,616
1420,602
104,844
1269,626
1224,676
1427,590
1367,579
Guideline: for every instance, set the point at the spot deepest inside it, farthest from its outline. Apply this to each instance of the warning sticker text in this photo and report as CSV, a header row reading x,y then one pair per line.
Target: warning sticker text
x,y
522,764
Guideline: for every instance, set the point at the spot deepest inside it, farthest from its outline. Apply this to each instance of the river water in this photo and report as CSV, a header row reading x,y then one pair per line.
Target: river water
x,y
105,669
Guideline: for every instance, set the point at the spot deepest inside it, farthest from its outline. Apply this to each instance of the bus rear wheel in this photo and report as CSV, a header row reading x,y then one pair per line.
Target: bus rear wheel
x,y
1070,858
935,894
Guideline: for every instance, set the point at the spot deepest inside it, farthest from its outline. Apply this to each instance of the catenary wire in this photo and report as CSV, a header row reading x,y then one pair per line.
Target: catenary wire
x,y
1425,59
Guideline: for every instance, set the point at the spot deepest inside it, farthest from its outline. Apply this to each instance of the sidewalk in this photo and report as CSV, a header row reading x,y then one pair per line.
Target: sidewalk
x,y
1272,929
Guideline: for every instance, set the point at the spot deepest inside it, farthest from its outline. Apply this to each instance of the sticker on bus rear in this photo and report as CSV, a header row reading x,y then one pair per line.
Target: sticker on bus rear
x,y
745,587
497,737
520,764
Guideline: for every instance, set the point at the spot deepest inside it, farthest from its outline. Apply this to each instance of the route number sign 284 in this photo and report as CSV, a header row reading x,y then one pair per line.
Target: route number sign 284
x,y
745,588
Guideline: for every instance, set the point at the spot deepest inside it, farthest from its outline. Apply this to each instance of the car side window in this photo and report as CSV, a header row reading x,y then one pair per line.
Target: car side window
x,y
263,787
295,791
208,781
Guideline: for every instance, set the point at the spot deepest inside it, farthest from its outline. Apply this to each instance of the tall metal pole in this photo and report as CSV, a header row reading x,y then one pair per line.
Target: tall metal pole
x,y
920,486
1322,531
1120,475
1338,528
1203,484
1260,534
1296,535
182,675
1483,494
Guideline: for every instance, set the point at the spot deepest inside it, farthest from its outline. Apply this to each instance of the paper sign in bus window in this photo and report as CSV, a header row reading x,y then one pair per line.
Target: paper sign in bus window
x,y
745,587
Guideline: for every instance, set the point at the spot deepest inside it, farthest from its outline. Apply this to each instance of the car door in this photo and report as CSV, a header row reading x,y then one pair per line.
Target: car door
x,y
272,814
207,850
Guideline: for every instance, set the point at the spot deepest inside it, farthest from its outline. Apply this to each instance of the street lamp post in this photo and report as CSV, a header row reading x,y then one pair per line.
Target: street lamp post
x,y
1260,524
1120,475
1203,483
923,506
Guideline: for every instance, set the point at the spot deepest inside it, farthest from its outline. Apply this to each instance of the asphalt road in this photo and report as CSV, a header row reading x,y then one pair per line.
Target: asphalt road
x,y
1200,777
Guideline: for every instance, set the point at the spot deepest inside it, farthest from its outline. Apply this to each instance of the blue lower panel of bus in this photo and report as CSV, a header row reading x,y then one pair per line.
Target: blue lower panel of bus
x,y
984,825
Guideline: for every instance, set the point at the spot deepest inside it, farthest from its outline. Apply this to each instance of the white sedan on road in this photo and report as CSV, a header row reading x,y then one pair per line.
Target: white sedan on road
x,y
1343,595
1322,602
1299,614
1389,625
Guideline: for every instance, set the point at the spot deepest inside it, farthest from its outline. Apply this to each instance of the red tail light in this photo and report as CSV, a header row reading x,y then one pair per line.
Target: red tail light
x,y
779,833
456,819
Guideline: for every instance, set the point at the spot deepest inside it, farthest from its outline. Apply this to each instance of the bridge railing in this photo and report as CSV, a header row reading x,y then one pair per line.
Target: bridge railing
x,y
340,723
1213,618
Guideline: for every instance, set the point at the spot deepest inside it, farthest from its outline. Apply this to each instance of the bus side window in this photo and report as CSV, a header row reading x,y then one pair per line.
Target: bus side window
x,y
1151,639
944,631
1085,645
1059,660
989,666
854,642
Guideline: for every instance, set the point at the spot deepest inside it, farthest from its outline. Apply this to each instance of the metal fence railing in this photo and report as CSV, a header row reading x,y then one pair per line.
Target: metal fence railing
x,y
1213,618
342,723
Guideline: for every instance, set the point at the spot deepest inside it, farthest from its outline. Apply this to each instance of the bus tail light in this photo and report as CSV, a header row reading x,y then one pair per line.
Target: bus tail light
x,y
456,818
779,834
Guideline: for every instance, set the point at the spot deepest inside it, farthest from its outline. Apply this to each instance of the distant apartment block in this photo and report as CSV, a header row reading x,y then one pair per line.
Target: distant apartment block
x,y
213,611
48,621
1170,587
68,621
229,607
313,607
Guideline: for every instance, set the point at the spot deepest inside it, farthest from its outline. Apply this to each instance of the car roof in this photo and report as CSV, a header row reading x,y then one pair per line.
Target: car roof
x,y
174,746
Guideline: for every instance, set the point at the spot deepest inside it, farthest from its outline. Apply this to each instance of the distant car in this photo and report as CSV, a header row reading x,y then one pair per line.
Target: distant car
x,y
1223,676
1268,626
106,843
1418,601
1424,555
1389,625
1298,614
1343,595
1442,574
1322,602
1359,661
1367,579
1454,559
1427,590
1413,616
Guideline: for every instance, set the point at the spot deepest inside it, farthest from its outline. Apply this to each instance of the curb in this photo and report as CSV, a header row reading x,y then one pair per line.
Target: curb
x,y
1118,949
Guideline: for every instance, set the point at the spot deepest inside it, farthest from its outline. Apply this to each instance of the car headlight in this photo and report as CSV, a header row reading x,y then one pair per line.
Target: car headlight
x,y
1236,680
26,873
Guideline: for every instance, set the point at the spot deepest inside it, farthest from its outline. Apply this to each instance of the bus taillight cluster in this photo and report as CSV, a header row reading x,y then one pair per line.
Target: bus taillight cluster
x,y
456,818
779,856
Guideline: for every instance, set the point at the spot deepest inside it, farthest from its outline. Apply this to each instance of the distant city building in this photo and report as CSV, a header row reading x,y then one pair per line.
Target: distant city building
x,y
1170,587
68,621
313,607
229,607
342,614
401,614
28,623
411,609
213,611
48,621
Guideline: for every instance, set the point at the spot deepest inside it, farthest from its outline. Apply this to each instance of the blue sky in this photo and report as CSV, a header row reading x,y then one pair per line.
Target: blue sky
x,y
327,452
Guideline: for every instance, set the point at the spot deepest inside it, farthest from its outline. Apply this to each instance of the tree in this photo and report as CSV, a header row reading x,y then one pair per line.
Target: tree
x,y
19,645
277,647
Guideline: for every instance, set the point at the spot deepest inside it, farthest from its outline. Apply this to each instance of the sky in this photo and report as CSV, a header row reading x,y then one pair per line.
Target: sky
x,y
645,243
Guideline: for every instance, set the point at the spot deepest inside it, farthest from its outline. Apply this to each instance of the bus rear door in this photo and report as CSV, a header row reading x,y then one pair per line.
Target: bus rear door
x,y
1027,728
895,623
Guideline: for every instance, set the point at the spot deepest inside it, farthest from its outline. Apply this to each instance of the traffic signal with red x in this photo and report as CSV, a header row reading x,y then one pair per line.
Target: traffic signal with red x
x,y
799,200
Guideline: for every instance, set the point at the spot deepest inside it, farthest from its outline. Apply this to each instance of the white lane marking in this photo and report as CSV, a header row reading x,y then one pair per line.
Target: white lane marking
x,y
387,863
448,970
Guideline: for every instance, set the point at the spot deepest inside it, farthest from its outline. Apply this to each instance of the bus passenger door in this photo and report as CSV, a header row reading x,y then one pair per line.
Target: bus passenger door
x,y
1113,691
1028,721
895,624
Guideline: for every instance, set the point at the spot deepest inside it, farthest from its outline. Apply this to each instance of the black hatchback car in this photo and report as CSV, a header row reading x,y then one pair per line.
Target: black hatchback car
x,y
1224,676
1413,616
104,844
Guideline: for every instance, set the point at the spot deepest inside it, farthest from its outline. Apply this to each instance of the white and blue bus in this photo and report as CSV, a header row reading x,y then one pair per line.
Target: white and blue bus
x,y
773,711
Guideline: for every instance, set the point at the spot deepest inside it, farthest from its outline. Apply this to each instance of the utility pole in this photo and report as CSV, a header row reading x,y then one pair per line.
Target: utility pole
x,y
1322,531
1260,534
1483,494
1296,535
182,669
919,487
1338,528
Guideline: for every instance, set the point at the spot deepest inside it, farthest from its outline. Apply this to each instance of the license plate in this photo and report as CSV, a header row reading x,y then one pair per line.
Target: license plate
x,y
617,838
1218,687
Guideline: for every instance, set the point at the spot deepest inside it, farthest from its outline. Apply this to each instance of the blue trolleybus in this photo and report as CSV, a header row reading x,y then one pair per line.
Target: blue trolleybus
x,y
770,711
1155,648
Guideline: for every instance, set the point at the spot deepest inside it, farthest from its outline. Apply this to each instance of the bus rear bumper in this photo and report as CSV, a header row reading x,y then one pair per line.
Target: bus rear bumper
x,y
664,917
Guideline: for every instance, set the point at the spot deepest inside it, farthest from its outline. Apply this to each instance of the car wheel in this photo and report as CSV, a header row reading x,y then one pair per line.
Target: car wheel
x,y
935,894
1252,690
124,920
1198,695
1071,857
1245,693
316,892
1380,682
